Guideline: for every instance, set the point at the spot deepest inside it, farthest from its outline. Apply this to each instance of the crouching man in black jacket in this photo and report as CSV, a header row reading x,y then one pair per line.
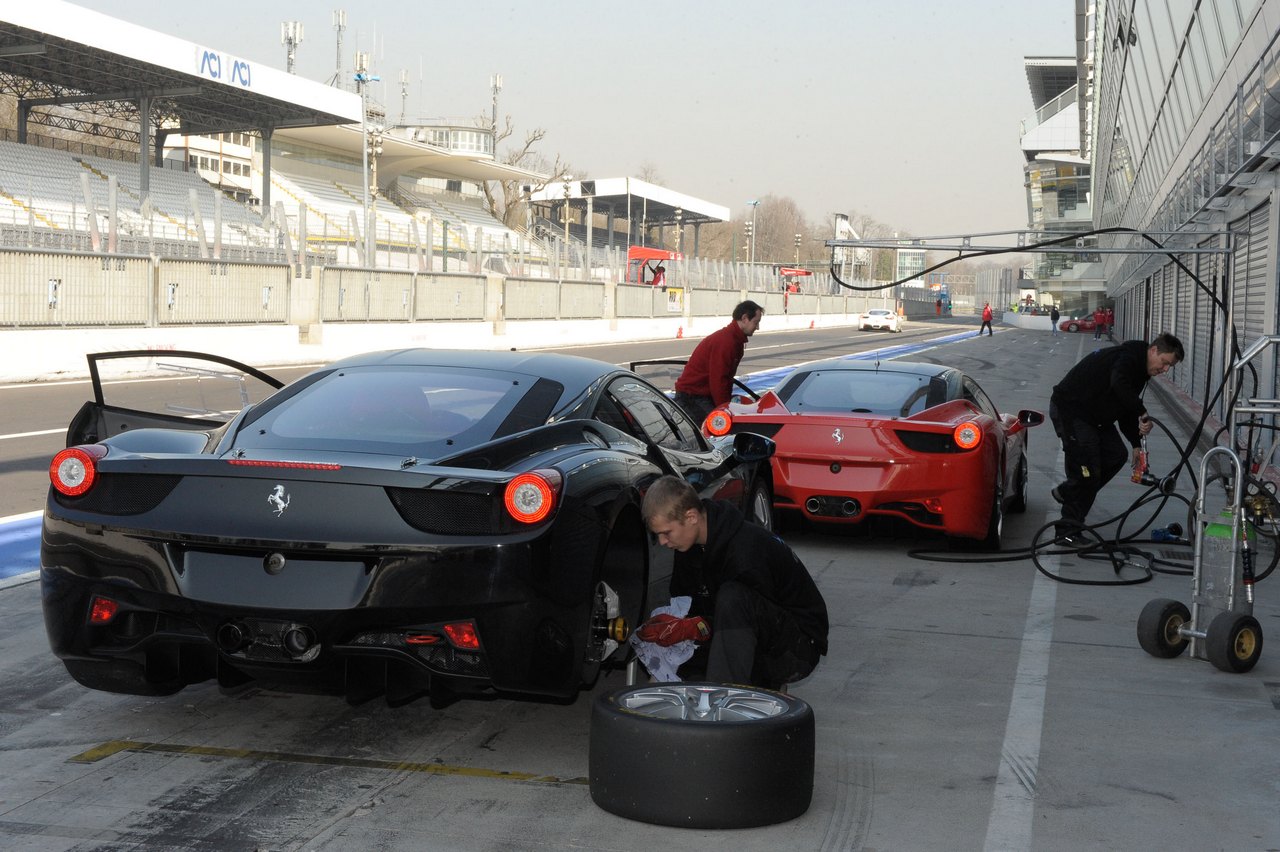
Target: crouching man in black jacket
x,y
1098,394
768,619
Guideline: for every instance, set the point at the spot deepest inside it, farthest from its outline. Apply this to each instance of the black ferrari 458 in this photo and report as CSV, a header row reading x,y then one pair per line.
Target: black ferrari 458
x,y
399,523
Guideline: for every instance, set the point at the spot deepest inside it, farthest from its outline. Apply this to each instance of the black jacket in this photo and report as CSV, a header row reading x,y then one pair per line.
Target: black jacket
x,y
742,551
1106,387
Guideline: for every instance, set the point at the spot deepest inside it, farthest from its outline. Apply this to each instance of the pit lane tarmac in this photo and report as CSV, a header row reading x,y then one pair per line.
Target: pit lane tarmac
x,y
963,706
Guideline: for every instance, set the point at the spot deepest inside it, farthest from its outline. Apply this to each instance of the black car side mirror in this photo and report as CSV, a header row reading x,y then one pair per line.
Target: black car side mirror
x,y
1027,417
749,447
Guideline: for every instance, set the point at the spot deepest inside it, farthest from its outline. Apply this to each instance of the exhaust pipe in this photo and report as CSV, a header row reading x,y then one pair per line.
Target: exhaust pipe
x,y
850,508
813,506
232,636
297,640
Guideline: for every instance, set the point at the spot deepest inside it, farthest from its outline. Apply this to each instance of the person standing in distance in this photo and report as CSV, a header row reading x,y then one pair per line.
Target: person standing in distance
x,y
987,316
768,621
1054,316
1103,391
707,379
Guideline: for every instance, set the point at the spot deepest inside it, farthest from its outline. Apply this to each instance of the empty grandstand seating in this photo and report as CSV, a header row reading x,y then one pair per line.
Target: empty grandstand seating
x,y
43,196
43,188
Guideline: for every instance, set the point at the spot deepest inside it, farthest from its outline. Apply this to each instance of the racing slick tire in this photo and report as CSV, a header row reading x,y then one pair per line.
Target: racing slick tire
x,y
1158,626
701,755
1233,642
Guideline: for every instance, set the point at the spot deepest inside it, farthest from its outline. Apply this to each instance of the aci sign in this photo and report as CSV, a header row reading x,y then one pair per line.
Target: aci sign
x,y
224,68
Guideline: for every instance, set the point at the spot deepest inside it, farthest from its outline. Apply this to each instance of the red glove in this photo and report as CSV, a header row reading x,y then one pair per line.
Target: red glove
x,y
667,630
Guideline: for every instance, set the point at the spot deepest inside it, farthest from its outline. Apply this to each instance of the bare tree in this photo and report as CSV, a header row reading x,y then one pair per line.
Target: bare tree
x,y
506,199
649,174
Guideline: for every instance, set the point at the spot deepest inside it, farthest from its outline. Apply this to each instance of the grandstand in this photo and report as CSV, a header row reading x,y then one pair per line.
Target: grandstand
x,y
62,63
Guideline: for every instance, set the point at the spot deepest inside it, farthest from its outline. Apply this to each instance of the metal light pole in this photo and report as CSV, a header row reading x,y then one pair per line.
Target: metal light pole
x,y
680,232
363,78
339,24
495,83
753,205
798,238
565,213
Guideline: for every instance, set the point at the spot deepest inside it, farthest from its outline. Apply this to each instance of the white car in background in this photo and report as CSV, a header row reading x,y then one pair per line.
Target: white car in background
x,y
879,318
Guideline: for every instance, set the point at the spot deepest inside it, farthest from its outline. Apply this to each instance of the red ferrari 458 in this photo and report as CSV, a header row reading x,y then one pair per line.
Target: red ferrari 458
x,y
916,441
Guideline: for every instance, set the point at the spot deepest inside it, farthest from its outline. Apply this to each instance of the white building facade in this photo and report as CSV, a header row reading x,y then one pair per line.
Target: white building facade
x,y
1182,117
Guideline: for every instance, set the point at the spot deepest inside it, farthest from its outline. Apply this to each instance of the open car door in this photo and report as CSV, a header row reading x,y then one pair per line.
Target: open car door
x,y
174,389
663,372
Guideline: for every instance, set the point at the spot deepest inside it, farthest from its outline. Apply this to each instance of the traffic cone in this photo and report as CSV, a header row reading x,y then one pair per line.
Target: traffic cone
x,y
679,332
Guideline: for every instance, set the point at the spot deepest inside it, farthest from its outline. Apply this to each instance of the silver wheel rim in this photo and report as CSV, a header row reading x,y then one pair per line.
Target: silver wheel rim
x,y
762,510
1024,479
703,703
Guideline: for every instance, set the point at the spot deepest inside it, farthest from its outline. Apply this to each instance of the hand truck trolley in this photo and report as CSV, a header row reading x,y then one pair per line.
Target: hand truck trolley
x,y
1220,626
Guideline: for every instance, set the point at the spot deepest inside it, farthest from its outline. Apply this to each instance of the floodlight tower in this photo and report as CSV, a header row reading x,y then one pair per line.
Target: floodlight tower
x,y
290,37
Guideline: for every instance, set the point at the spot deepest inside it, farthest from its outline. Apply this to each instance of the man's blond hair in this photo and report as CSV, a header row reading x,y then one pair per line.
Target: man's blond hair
x,y
669,498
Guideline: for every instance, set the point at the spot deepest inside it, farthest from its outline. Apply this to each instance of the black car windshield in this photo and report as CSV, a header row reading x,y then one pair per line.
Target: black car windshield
x,y
878,392
420,411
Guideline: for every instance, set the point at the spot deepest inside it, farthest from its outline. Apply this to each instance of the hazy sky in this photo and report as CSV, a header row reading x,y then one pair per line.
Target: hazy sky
x,y
908,111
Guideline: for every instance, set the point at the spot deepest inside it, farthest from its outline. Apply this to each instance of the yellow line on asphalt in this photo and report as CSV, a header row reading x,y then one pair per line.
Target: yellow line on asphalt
x,y
113,747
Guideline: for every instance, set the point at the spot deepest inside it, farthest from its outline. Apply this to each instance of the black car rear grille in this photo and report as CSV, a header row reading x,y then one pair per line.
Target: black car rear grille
x,y
439,655
122,494
447,512
768,430
928,442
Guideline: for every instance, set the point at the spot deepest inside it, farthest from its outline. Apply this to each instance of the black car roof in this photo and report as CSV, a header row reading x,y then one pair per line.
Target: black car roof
x,y
572,371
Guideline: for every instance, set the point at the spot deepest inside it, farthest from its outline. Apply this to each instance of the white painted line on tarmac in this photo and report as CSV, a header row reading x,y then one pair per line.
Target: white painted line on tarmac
x,y
1011,823
61,431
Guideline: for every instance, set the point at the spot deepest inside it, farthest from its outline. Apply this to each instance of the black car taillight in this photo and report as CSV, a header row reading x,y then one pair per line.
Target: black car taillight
x,y
532,496
74,470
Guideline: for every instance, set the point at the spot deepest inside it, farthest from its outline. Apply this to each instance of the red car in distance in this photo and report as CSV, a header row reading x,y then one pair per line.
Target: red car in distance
x,y
922,442
1080,324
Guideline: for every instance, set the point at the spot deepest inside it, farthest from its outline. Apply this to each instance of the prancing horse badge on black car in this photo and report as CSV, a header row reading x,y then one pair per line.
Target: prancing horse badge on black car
x,y
279,499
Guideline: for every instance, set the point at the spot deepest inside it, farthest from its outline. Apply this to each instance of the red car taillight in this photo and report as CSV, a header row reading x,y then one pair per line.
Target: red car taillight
x,y
718,422
74,470
532,496
967,435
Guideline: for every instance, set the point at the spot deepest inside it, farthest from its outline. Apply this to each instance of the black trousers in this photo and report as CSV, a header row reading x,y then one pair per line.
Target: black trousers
x,y
1093,453
987,325
756,642
696,406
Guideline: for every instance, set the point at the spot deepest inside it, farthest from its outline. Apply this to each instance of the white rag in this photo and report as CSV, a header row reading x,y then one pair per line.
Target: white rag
x,y
662,662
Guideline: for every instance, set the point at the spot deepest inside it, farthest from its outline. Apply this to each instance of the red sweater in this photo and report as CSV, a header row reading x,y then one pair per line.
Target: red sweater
x,y
713,364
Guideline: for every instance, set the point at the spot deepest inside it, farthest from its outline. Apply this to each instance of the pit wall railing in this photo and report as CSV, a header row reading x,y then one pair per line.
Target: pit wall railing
x,y
61,289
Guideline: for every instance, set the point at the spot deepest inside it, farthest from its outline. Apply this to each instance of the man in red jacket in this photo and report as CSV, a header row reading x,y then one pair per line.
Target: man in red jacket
x,y
707,379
